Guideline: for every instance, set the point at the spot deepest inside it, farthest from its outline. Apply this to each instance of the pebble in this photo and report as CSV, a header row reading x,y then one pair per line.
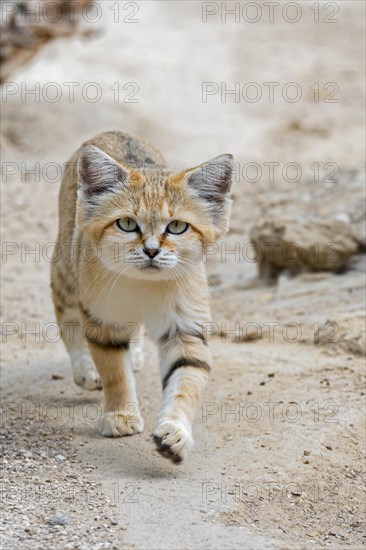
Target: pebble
x,y
60,457
58,520
25,453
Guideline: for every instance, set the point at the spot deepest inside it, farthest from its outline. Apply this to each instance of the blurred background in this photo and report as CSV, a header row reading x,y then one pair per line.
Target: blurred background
x,y
280,85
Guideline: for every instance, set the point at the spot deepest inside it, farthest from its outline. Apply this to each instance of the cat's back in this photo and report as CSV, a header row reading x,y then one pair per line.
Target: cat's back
x,y
129,150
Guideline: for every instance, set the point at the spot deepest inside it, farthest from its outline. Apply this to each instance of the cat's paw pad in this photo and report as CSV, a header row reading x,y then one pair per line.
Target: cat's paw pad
x,y
118,424
173,440
85,374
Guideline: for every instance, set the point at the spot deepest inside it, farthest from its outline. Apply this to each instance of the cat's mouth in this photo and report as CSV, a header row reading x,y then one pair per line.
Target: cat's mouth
x,y
151,266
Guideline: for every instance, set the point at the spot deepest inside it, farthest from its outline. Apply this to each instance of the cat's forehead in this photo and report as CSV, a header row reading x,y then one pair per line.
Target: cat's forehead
x,y
154,212
156,196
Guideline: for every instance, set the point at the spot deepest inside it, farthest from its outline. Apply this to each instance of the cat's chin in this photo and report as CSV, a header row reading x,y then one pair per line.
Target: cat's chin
x,y
150,274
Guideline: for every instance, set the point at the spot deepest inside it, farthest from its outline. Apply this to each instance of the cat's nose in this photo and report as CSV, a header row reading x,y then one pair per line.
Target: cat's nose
x,y
151,252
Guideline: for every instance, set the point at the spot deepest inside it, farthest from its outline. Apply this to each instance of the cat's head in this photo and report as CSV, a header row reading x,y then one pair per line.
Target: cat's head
x,y
154,223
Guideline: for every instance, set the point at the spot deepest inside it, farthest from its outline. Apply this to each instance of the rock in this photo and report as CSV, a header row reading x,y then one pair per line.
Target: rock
x,y
26,453
302,244
57,377
60,458
359,229
358,221
346,333
58,519
28,26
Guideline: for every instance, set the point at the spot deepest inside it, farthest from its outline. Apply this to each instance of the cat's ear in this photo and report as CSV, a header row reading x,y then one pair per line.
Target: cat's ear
x,y
211,182
98,173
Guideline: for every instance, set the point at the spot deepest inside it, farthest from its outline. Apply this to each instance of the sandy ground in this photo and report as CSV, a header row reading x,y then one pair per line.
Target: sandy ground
x,y
279,450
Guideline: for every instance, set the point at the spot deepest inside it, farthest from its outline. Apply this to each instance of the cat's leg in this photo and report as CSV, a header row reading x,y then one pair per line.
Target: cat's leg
x,y
137,350
84,371
185,364
69,321
112,357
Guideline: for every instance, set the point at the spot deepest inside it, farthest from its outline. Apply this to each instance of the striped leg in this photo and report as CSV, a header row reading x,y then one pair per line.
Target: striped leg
x,y
112,356
85,374
185,363
69,321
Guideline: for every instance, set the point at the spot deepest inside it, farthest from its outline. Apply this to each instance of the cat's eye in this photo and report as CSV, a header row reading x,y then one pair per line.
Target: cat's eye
x,y
176,227
127,224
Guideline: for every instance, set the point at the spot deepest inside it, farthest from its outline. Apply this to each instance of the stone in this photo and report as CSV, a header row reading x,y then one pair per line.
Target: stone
x,y
58,519
302,245
60,458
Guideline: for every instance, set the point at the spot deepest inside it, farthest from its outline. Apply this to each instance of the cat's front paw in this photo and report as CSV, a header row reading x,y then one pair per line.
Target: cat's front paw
x,y
173,440
118,424
85,374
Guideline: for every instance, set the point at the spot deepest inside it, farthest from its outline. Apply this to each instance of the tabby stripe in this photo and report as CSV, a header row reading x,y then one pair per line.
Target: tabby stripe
x,y
70,288
108,344
61,296
185,362
89,315
167,336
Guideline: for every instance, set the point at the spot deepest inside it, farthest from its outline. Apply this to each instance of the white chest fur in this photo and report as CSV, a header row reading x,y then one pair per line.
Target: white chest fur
x,y
133,301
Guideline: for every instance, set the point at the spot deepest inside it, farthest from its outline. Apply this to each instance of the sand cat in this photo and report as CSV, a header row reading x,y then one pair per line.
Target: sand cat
x,y
130,248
